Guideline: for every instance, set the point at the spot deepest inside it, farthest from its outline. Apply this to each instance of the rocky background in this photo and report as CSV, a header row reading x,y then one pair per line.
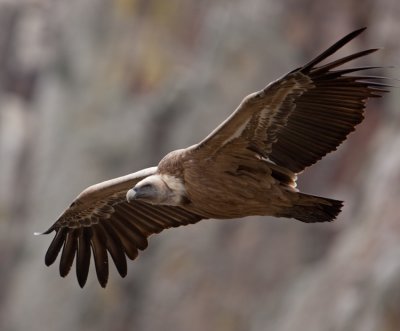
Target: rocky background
x,y
94,89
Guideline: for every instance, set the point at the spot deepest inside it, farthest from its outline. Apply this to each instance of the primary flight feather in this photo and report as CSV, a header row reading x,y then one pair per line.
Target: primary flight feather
x,y
247,166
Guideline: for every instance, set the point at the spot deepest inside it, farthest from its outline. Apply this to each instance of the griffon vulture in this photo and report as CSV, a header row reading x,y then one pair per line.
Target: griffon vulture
x,y
246,166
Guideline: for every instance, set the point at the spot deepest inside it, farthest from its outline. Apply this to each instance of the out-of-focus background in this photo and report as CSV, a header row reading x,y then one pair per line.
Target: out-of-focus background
x,y
91,90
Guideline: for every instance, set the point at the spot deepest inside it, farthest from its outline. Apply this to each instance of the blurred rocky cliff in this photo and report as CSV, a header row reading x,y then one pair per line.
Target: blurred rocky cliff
x,y
91,90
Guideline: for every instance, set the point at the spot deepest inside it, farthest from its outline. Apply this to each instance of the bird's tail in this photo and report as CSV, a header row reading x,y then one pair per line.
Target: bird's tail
x,y
312,209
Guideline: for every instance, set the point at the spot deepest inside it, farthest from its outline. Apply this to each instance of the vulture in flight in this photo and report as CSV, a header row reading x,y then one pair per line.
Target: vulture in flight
x,y
247,166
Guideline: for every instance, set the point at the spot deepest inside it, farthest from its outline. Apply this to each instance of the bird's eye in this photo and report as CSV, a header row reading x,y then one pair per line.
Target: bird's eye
x,y
146,186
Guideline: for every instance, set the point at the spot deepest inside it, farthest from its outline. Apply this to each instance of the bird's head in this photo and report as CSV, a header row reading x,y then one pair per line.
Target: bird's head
x,y
158,190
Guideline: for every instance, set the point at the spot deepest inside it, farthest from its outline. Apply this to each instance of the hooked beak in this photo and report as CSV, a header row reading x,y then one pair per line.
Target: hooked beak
x,y
132,195
145,192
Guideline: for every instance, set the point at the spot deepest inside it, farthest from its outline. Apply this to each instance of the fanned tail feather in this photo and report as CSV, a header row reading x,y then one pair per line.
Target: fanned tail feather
x,y
313,209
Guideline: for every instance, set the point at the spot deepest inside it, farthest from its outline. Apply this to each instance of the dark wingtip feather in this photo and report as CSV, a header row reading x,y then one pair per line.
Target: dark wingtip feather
x,y
83,256
68,252
339,44
116,250
100,255
327,67
55,246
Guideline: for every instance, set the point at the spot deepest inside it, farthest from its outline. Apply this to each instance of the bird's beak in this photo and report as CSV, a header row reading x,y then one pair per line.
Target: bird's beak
x,y
132,195
140,193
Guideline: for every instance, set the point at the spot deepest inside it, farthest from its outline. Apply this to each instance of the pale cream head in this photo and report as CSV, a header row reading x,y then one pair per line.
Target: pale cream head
x,y
158,190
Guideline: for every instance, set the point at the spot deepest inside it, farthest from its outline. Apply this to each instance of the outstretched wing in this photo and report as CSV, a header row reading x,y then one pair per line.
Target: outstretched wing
x,y
301,117
100,220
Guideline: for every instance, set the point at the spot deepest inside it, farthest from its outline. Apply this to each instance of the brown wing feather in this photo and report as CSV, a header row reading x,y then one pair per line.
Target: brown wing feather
x,y
102,222
302,116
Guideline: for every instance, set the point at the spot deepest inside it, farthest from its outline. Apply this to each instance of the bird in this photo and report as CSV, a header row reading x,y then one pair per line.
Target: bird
x,y
247,166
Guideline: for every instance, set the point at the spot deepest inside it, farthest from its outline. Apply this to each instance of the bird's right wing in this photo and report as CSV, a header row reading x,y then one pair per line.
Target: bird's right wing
x,y
100,220
300,117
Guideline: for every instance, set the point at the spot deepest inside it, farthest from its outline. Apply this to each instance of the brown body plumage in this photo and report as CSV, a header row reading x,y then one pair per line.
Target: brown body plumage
x,y
246,166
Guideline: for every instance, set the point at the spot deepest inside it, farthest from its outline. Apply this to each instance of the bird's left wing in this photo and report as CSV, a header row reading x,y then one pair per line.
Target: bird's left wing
x,y
302,116
100,220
